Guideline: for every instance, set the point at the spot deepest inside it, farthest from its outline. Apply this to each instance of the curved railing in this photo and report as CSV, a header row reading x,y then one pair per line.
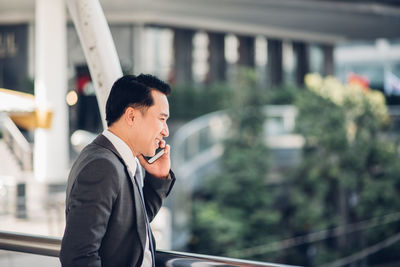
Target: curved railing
x,y
17,143
199,141
197,147
47,246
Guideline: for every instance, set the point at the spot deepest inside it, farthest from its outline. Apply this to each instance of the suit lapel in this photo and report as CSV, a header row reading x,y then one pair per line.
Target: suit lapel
x,y
103,141
140,219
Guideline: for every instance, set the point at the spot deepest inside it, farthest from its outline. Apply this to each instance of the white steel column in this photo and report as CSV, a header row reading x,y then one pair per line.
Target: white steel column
x,y
98,46
51,145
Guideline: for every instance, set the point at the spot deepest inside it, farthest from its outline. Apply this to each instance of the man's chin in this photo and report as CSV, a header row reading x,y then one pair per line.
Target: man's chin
x,y
150,154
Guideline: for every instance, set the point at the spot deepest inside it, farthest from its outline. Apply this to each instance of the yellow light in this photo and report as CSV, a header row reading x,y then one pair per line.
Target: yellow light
x,y
72,98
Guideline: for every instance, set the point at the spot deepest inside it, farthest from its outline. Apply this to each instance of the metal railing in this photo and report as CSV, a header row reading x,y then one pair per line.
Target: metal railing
x,y
48,246
200,139
17,143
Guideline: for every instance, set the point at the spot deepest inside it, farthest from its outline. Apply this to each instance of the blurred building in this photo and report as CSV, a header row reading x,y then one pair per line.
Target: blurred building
x,y
197,41
376,61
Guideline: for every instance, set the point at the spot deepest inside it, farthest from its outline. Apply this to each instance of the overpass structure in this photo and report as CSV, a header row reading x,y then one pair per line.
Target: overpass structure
x,y
301,22
326,21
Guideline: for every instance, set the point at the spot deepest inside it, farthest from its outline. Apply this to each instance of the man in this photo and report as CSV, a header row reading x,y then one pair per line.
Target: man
x,y
108,205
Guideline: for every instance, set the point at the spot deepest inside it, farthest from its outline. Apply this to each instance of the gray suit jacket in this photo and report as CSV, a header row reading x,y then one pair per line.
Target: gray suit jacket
x,y
105,223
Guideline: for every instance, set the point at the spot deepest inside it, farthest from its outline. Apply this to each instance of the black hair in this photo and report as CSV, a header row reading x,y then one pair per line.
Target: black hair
x,y
154,83
132,91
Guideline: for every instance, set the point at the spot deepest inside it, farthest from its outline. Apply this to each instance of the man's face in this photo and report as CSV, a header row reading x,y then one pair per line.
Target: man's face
x,y
151,125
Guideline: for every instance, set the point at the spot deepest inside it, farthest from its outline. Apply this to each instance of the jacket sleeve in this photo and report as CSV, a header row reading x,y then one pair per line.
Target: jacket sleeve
x,y
155,190
87,213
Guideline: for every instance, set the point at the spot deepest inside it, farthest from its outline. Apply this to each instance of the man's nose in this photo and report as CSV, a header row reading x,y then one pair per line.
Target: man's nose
x,y
165,131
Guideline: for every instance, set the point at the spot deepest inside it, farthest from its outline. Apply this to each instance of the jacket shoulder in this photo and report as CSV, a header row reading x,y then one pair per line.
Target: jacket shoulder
x,y
97,164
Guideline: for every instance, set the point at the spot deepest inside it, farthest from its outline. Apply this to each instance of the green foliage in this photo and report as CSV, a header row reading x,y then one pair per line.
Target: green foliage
x,y
189,102
235,203
348,172
282,95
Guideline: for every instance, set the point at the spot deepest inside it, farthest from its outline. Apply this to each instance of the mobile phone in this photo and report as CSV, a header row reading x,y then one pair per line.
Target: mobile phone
x,y
156,156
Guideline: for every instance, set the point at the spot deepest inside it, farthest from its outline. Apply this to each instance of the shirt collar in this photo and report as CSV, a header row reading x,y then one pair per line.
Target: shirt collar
x,y
123,149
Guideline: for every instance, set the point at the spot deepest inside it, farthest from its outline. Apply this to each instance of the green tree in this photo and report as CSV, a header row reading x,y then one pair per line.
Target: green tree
x,y
232,211
191,101
348,173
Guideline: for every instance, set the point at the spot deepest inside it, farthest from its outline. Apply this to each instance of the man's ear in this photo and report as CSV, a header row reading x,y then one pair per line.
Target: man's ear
x,y
129,115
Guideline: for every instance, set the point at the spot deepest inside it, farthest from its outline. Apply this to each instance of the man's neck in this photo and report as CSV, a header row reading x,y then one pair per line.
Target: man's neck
x,y
120,134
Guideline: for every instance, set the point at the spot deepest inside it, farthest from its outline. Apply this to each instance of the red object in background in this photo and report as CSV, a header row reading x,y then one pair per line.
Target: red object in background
x,y
81,82
355,79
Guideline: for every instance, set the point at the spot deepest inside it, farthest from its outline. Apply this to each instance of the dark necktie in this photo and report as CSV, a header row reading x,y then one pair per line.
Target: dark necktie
x,y
139,183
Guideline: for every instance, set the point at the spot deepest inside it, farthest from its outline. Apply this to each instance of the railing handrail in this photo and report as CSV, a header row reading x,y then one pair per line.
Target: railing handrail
x,y
50,246
39,245
19,138
18,144
188,133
